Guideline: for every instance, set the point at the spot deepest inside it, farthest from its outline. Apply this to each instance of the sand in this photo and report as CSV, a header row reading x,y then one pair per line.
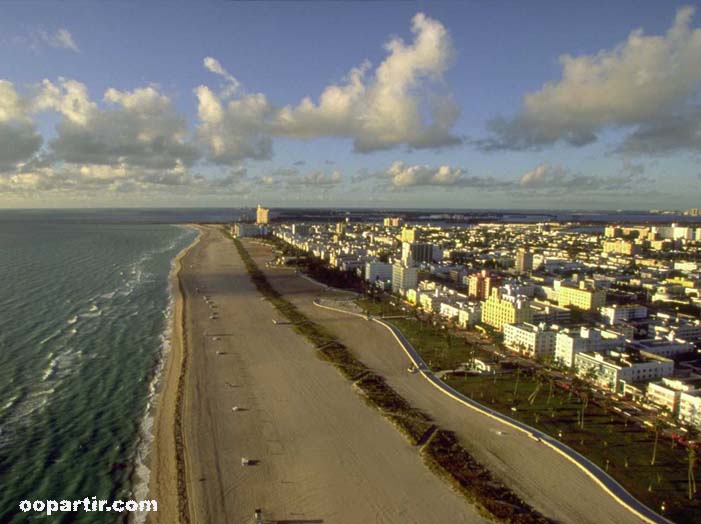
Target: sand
x,y
549,482
322,454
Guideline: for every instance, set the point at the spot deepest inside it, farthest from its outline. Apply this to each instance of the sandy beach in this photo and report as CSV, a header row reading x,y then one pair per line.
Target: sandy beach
x,y
162,459
550,483
319,453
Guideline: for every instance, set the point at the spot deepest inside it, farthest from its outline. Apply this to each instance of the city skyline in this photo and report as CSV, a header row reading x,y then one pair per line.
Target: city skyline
x,y
413,105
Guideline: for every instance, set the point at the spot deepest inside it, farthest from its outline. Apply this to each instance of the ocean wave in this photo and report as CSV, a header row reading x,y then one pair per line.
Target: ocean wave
x,y
73,319
142,472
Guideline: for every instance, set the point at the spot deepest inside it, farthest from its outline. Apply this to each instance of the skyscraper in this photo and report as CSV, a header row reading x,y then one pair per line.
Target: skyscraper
x,y
262,215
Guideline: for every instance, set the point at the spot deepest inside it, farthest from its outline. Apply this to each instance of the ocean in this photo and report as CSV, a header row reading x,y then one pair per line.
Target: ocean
x,y
84,322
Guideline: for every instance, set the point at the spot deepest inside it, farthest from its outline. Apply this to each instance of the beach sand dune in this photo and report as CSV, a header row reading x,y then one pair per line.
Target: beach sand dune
x,y
550,483
318,453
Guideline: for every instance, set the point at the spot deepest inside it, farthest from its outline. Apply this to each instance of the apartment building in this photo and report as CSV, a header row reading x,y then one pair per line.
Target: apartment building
x,y
500,309
480,285
617,313
568,343
404,278
614,370
585,297
531,340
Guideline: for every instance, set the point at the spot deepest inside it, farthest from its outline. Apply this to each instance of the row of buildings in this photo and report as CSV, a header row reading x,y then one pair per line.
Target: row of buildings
x,y
603,303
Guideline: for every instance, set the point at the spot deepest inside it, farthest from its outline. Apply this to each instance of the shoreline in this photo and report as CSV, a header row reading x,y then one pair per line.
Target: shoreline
x,y
165,459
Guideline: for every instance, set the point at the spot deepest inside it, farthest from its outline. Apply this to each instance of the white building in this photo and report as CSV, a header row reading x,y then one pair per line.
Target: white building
x,y
615,370
617,314
665,327
667,392
241,230
535,341
663,347
568,343
690,408
378,271
404,277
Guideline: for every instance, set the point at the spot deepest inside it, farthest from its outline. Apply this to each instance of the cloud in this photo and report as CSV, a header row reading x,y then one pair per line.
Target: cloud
x,y
641,83
385,110
39,38
138,128
555,178
94,180
232,131
400,175
63,39
401,102
317,179
19,139
232,85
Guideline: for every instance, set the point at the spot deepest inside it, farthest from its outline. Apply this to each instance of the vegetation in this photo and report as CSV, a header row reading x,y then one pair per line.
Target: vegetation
x,y
443,453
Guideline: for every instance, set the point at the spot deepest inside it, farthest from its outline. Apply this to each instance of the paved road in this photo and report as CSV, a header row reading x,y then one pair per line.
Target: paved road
x,y
324,455
550,482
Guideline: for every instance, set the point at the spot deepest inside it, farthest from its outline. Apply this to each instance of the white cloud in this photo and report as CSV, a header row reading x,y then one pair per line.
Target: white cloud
x,y
401,102
400,175
137,128
19,139
318,179
555,178
232,85
636,83
63,38
39,38
231,131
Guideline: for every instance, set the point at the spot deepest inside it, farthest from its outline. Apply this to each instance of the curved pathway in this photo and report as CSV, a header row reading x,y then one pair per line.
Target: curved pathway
x,y
602,478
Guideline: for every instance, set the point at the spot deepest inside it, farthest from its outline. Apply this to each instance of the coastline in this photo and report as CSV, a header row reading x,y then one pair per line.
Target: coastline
x,y
164,461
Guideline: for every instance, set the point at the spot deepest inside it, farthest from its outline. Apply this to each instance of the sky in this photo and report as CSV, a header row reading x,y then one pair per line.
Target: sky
x,y
443,105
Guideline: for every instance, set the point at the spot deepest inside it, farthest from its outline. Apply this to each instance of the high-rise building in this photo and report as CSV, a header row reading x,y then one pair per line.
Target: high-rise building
x,y
621,247
416,252
392,221
480,285
409,235
404,277
524,261
262,215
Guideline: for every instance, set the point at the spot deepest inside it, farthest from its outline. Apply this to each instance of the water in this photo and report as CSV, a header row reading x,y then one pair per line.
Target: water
x,y
84,318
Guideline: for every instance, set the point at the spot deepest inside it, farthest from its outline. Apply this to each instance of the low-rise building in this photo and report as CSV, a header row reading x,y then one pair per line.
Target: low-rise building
x,y
616,314
584,297
690,408
378,272
243,230
664,347
570,342
667,392
613,370
531,340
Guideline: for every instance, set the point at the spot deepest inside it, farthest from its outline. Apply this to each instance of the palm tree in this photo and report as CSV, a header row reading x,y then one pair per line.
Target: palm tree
x,y
518,375
658,426
690,475
551,382
584,397
538,387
